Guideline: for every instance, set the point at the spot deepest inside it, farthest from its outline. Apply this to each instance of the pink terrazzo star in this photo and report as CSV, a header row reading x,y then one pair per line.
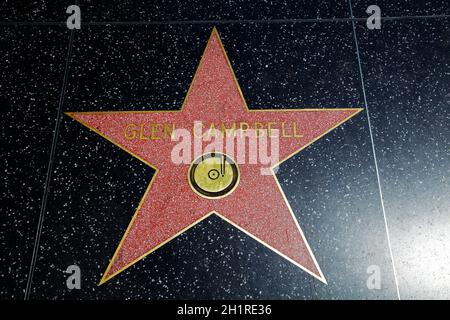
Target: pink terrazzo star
x,y
169,206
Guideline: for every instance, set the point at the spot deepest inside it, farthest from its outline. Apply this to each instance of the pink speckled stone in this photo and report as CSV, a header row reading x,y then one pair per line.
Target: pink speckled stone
x,y
257,206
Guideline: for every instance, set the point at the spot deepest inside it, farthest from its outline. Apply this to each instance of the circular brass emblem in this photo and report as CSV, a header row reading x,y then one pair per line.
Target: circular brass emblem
x,y
213,175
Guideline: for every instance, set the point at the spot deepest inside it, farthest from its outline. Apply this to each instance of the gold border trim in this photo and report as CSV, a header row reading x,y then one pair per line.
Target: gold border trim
x,y
105,278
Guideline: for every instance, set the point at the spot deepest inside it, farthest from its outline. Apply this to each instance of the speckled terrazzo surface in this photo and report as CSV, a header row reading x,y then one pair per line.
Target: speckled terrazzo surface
x,y
331,186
